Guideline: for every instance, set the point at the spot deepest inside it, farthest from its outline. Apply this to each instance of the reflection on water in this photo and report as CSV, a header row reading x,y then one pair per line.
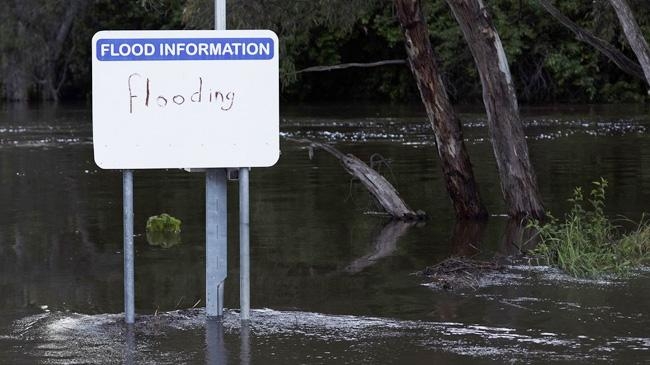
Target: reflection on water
x,y
129,346
517,238
245,343
214,344
339,281
467,238
385,243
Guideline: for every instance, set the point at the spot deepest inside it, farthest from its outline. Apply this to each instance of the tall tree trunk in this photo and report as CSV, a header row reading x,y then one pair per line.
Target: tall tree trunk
x,y
456,166
518,182
622,61
634,35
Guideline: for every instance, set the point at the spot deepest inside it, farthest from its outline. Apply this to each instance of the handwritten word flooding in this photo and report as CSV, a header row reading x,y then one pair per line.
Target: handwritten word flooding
x,y
223,100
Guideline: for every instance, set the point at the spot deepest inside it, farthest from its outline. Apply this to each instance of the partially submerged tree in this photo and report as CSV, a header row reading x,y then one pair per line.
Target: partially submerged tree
x,y
518,182
455,163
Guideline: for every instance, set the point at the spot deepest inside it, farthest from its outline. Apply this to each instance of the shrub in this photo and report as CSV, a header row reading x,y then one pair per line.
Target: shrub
x,y
587,243
163,230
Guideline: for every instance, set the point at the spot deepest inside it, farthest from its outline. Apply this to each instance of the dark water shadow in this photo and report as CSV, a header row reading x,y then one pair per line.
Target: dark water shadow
x,y
467,237
245,344
214,341
384,244
517,239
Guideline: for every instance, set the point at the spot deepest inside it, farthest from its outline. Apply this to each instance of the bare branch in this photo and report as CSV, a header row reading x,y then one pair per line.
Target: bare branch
x,y
622,61
350,65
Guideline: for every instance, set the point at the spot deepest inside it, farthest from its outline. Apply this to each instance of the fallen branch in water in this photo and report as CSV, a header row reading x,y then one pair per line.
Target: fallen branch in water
x,y
382,190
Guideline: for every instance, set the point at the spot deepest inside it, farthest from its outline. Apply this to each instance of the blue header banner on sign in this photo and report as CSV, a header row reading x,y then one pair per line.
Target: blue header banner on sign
x,y
189,49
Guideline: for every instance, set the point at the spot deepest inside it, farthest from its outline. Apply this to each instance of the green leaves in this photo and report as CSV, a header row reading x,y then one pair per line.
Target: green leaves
x,y
547,62
163,230
586,243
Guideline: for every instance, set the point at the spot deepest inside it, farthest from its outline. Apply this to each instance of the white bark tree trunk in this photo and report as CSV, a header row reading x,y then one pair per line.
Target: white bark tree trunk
x,y
634,36
518,181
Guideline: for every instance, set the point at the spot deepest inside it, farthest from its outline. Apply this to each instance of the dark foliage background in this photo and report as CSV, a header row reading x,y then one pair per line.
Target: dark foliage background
x,y
547,62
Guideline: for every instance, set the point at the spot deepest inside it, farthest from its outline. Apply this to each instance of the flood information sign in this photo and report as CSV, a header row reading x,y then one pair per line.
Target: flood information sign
x,y
185,99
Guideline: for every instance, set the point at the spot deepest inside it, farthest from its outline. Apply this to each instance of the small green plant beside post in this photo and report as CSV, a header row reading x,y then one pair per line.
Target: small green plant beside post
x,y
587,243
163,230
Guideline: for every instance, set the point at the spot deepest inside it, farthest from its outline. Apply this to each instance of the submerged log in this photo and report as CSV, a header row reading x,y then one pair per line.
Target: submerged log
x,y
382,190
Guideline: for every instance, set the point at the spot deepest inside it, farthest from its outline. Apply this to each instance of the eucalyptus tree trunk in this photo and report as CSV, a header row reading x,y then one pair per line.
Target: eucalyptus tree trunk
x,y
456,166
518,182
634,36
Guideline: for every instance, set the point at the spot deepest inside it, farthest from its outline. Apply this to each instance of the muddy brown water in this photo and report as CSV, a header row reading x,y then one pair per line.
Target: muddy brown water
x,y
330,283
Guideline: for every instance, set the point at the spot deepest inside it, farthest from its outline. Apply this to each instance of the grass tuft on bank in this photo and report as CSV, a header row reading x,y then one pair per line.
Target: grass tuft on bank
x,y
587,243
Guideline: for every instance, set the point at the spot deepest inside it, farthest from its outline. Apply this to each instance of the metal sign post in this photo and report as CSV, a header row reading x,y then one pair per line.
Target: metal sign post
x,y
216,217
216,226
216,240
129,256
244,247
216,268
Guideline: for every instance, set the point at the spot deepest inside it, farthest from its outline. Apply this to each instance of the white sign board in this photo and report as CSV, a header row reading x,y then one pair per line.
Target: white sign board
x,y
185,99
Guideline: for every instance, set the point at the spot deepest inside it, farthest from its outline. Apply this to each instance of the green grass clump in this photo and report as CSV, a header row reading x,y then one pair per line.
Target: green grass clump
x,y
587,243
163,230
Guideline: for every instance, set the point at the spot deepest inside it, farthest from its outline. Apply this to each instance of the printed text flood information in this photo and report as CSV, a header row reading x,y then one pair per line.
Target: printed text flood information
x,y
163,49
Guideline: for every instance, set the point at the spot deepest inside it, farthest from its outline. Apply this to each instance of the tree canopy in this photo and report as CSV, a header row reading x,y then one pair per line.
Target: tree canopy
x,y
46,59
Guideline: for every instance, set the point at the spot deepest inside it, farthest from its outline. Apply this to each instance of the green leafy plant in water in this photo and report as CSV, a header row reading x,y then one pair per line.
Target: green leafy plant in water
x,y
163,230
587,243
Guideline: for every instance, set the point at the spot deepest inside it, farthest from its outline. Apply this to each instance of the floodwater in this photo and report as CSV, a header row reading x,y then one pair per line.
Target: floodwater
x,y
331,282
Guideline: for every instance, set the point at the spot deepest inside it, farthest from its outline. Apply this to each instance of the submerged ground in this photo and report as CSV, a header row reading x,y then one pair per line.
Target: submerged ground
x,y
330,284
